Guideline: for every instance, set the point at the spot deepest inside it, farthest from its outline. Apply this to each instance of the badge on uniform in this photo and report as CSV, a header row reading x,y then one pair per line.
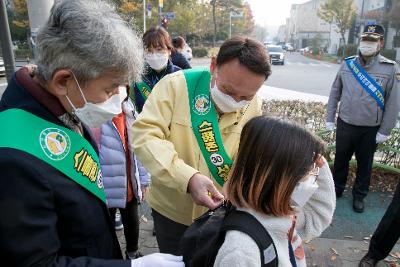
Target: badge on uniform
x,y
398,76
371,28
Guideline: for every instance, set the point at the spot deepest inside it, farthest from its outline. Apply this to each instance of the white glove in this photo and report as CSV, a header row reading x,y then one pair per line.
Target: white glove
x,y
158,259
380,138
330,126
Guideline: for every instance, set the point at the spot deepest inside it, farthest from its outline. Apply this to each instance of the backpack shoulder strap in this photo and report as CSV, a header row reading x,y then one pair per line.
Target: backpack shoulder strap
x,y
248,224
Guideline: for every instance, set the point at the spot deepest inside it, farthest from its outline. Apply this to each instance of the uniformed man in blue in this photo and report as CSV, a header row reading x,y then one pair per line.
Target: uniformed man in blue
x,y
367,87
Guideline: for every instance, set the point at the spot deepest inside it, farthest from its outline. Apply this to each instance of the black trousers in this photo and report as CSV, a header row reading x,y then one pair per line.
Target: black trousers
x,y
388,231
361,141
168,233
130,220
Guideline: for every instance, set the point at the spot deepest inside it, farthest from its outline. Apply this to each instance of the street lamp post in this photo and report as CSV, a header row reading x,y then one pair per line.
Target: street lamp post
x,y
5,38
144,16
362,14
160,6
330,35
230,25
38,12
233,15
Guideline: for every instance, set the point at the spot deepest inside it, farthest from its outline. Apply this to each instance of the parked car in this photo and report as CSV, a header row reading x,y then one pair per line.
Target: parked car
x,y
2,68
277,54
289,47
304,50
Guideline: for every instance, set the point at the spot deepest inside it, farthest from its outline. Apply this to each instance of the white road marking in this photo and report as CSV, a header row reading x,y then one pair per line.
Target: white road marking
x,y
326,65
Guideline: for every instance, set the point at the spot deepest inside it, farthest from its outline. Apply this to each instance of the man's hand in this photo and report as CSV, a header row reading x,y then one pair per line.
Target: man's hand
x,y
204,192
225,190
320,161
330,126
144,192
380,138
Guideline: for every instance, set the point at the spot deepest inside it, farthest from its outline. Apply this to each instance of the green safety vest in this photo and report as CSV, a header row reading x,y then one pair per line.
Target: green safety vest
x,y
58,146
205,124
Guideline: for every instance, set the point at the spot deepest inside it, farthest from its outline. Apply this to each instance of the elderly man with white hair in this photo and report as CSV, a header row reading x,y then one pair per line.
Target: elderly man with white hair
x,y
52,200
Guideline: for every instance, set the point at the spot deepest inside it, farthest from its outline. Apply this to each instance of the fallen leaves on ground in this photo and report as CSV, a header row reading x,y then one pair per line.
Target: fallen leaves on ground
x,y
381,180
144,219
335,251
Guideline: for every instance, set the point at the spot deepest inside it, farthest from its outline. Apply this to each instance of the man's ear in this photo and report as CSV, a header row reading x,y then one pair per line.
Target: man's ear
x,y
60,82
213,65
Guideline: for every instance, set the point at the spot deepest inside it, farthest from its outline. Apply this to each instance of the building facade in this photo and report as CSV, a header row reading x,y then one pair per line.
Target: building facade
x,y
304,28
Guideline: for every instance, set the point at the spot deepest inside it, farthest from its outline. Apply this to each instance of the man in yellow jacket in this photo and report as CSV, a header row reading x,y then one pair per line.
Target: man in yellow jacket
x,y
188,134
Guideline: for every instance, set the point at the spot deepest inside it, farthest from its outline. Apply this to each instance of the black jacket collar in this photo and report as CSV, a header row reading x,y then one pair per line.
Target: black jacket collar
x,y
18,96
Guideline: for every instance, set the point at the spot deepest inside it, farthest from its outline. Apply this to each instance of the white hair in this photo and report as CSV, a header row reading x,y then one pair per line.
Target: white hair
x,y
90,39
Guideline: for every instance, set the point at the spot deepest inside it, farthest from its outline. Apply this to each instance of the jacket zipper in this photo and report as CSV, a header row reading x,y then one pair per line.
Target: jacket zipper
x,y
133,165
123,148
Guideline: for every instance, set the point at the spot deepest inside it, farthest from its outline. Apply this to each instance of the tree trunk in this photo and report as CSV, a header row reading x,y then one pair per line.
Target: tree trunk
x,y
343,37
215,22
344,45
386,26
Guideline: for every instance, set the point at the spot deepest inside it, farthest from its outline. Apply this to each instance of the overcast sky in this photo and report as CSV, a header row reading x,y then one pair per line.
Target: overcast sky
x,y
272,12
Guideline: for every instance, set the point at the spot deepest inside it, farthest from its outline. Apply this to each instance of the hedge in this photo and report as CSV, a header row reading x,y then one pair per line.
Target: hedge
x,y
199,52
23,53
389,53
349,50
313,116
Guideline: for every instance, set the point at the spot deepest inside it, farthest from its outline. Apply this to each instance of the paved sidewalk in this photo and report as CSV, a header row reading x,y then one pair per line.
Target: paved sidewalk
x,y
147,242
340,253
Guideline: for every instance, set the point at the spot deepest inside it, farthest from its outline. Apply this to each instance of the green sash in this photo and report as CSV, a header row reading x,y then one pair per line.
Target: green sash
x,y
144,89
205,124
59,147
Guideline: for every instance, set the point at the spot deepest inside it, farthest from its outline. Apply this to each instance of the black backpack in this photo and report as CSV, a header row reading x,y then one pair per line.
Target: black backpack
x,y
202,240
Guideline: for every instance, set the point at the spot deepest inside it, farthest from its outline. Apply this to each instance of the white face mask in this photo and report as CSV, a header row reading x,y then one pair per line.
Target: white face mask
x,y
94,115
368,48
225,102
156,61
303,191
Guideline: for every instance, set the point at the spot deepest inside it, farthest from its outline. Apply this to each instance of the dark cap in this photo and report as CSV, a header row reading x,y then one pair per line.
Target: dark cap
x,y
374,31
